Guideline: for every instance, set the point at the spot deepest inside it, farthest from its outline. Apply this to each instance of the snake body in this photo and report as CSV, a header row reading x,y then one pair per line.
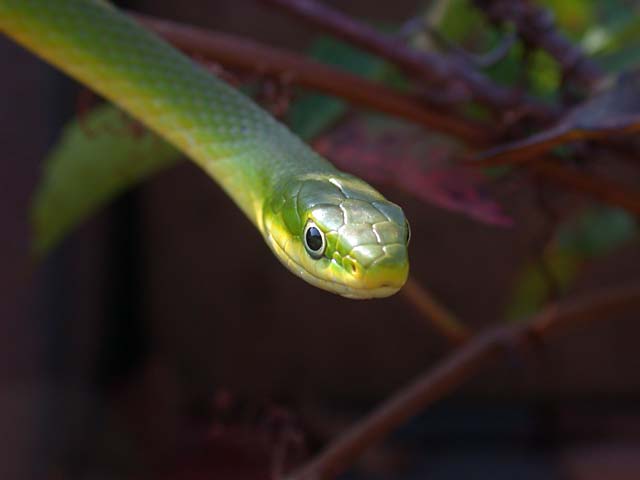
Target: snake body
x,y
328,227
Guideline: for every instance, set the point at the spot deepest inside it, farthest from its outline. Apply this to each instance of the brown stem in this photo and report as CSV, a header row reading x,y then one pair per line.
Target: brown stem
x,y
606,191
459,366
439,316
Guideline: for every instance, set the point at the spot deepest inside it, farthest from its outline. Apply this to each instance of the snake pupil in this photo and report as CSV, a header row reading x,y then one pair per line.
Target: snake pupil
x,y
314,239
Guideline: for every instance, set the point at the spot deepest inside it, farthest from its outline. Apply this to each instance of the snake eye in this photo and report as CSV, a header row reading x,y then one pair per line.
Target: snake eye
x,y
408,232
314,241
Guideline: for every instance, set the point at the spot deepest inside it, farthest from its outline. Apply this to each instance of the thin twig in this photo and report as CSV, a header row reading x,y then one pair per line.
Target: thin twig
x,y
459,366
439,316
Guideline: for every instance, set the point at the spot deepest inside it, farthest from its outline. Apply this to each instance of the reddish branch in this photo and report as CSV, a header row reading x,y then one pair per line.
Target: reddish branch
x,y
244,54
426,66
536,26
459,366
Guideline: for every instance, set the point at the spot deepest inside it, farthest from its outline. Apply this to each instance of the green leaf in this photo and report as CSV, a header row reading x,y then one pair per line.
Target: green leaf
x,y
621,50
573,16
533,289
595,233
463,23
94,160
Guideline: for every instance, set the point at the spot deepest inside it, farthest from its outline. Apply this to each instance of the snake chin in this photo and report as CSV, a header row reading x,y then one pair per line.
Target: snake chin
x,y
340,288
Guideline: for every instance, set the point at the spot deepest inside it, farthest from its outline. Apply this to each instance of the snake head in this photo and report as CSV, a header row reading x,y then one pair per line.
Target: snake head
x,y
339,234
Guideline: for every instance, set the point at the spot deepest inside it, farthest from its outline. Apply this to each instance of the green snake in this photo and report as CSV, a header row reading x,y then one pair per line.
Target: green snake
x,y
328,227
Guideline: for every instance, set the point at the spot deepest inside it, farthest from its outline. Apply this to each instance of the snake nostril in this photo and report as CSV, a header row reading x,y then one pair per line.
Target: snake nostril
x,y
350,266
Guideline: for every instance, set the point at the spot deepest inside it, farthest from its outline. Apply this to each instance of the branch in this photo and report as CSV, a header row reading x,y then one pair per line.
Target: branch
x,y
244,54
459,366
426,66
606,191
439,316
536,26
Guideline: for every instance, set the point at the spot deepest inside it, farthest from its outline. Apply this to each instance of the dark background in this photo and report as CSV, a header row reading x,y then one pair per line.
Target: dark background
x,y
121,348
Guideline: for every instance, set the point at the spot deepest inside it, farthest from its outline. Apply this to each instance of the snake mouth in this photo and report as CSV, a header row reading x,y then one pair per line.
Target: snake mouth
x,y
356,293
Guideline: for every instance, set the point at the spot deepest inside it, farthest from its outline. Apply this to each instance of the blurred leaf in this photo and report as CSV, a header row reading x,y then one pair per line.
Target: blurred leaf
x,y
614,111
94,160
573,16
621,50
595,233
391,152
463,23
537,283
545,75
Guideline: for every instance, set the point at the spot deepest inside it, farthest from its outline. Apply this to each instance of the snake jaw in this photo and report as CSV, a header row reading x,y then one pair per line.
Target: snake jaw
x,y
367,287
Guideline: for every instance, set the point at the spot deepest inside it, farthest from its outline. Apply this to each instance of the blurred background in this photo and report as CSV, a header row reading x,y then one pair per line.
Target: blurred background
x,y
145,346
